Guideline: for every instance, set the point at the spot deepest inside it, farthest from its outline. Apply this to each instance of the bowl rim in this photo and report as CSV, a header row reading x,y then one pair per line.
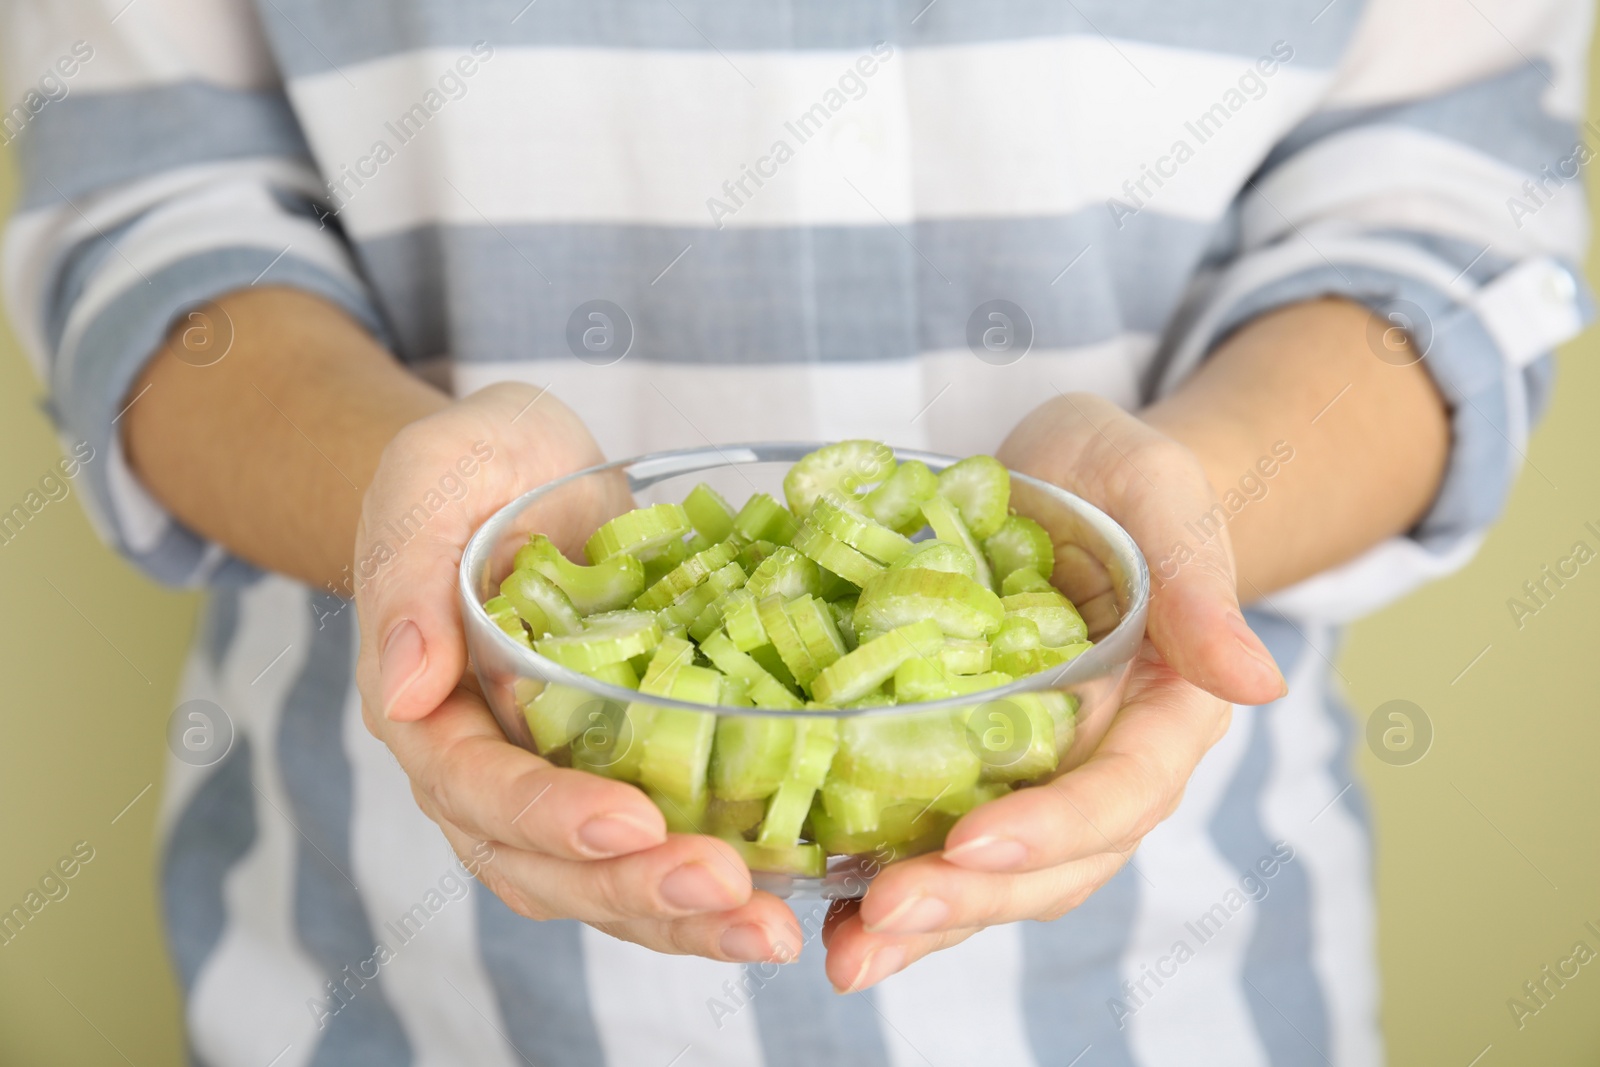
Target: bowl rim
x,y
657,466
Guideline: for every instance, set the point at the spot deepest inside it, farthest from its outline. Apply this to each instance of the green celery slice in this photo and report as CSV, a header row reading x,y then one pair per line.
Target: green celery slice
x,y
1024,580
874,662
688,608
961,801
638,532
980,488
742,621
801,860
853,566
911,756
1058,621
787,809
661,561
847,467
685,576
920,679
605,586
897,503
503,615
1020,542
610,637
949,526
677,747
814,625
709,513
936,555
787,574
765,690
836,517
786,640
751,756
733,818
536,597
958,604
768,659
764,519
903,830
752,554
683,817
853,809
843,612
965,656
1015,738
1035,660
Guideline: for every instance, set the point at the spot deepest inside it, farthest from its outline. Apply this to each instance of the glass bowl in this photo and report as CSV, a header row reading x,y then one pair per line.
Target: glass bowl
x,y
1088,543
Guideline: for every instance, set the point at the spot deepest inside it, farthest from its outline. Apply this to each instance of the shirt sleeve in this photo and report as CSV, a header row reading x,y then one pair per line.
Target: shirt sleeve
x,y
1439,184
161,167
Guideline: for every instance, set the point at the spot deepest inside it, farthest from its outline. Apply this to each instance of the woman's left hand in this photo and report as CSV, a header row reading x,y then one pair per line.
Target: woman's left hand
x,y
1040,852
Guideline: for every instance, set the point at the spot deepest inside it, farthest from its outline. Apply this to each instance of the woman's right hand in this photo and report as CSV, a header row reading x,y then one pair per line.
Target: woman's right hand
x,y
566,843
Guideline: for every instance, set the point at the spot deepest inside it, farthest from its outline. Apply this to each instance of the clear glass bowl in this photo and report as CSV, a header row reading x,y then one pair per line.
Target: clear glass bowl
x,y
570,508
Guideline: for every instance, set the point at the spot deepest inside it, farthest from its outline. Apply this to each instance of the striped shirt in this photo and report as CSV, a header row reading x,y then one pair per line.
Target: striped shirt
x,y
886,218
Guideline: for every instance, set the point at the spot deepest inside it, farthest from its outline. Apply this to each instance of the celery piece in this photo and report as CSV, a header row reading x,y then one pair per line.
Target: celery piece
x,y
710,515
638,532
847,467
1018,543
605,586
536,597
980,488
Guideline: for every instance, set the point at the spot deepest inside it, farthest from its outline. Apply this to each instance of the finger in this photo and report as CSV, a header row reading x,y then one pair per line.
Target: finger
x,y
762,930
928,895
1158,491
1133,780
408,550
465,770
858,960
690,874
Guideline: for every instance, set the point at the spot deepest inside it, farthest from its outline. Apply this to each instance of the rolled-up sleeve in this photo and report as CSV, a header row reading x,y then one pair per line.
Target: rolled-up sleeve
x,y
1450,202
161,167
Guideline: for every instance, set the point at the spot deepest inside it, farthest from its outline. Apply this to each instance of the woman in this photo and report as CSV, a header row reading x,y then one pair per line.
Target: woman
x,y
1322,249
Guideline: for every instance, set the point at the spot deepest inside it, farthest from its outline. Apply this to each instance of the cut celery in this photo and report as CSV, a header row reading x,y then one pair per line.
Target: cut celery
x,y
874,662
843,612
787,641
541,603
661,561
918,679
839,519
1020,542
751,756
961,801
764,519
936,555
689,606
1058,621
959,605
709,514
980,488
853,809
801,860
949,526
1014,738
685,576
610,637
638,532
765,690
733,818
849,468
605,586
897,503
853,566
503,615
1025,580
907,756
965,656
814,625
787,574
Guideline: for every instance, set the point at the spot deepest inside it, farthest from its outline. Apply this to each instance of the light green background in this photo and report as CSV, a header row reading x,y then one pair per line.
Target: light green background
x,y
1488,848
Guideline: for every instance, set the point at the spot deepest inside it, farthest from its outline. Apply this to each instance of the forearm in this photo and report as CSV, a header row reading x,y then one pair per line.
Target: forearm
x,y
1367,440
269,450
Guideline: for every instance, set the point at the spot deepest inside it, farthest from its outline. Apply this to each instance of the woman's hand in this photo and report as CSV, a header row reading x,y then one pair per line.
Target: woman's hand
x,y
1038,853
567,844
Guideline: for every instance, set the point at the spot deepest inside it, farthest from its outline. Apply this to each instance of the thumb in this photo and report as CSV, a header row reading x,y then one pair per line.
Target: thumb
x,y
1195,621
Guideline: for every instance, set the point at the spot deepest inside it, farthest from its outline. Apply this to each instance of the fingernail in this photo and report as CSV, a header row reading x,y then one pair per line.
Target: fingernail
x,y
747,943
916,915
1257,651
400,662
616,835
879,964
694,887
988,854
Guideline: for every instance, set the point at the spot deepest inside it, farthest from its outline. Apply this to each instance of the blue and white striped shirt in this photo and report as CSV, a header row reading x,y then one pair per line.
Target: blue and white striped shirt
x,y
803,211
